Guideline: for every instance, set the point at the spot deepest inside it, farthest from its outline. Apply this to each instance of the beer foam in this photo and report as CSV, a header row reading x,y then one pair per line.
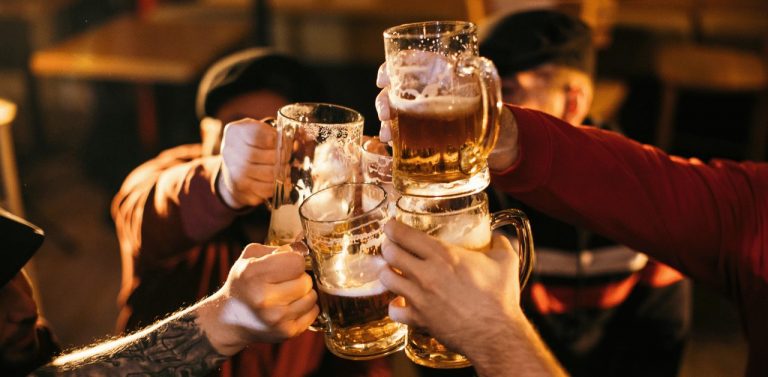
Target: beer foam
x,y
285,223
468,231
352,275
370,289
441,106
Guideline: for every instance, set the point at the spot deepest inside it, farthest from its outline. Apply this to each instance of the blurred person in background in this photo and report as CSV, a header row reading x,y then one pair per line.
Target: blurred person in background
x,y
267,297
182,217
601,307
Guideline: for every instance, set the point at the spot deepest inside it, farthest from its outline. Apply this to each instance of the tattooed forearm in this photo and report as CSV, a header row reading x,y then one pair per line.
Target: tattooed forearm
x,y
174,347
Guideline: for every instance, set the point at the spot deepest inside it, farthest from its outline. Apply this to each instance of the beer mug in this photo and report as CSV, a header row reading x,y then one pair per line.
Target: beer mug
x,y
445,103
321,144
463,221
376,165
343,227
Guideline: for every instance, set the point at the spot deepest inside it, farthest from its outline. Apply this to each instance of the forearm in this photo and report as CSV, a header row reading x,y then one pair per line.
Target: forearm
x,y
166,207
515,350
633,193
175,346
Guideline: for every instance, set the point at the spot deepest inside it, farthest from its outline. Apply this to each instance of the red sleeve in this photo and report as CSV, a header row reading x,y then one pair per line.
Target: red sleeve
x,y
703,219
168,204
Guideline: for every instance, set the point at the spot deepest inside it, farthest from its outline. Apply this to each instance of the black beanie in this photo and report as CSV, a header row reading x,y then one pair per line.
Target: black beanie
x,y
20,240
525,40
255,69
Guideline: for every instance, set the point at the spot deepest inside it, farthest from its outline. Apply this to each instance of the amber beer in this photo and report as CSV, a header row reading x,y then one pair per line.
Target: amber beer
x,y
436,140
463,221
467,231
357,316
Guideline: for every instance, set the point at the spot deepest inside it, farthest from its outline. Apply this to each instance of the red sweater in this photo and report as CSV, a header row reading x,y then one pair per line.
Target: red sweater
x,y
709,221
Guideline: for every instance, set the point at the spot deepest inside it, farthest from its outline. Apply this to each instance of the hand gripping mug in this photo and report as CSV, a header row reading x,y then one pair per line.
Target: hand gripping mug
x,y
343,227
463,221
445,103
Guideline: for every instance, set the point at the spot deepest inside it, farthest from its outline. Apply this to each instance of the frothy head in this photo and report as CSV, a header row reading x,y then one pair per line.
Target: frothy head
x,y
443,106
352,275
468,231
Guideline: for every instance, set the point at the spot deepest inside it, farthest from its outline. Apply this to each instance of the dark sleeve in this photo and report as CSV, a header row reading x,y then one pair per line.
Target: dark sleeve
x,y
168,204
699,218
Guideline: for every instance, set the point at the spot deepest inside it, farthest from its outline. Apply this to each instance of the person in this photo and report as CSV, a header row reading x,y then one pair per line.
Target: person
x,y
588,294
707,220
182,216
267,297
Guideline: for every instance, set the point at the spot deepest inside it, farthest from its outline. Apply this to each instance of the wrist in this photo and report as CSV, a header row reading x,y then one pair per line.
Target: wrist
x,y
506,151
224,337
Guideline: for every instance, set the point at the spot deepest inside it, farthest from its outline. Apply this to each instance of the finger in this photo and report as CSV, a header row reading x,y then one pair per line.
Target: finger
x,y
287,292
307,319
253,133
256,250
401,259
260,156
382,105
382,78
279,267
414,241
261,173
402,313
502,250
400,285
385,132
273,315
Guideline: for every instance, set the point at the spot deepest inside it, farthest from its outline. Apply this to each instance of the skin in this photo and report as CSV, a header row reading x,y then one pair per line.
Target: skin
x,y
267,297
248,149
455,293
18,316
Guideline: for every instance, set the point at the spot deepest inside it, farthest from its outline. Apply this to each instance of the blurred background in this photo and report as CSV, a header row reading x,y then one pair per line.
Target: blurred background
x,y
92,88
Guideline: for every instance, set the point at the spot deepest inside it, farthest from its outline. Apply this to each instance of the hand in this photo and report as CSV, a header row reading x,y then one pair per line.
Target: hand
x,y
248,152
503,155
453,292
267,298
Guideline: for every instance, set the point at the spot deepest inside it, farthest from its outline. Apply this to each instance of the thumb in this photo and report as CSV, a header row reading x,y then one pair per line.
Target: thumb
x,y
257,250
503,251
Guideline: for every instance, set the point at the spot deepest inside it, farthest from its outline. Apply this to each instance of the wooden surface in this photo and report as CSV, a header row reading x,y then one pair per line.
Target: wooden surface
x,y
712,68
164,50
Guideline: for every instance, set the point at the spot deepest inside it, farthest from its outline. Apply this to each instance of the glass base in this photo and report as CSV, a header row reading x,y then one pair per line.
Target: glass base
x,y
437,360
476,183
370,350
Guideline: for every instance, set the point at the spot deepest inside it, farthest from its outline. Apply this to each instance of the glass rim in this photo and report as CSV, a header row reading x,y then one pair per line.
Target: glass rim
x,y
394,31
368,142
379,205
356,114
482,196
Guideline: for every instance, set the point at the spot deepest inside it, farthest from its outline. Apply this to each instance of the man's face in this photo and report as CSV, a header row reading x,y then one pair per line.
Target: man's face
x,y
257,105
558,91
18,317
535,89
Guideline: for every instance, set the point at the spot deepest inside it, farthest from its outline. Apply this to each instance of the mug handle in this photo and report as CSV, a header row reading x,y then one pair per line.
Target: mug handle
x,y
472,158
519,220
320,324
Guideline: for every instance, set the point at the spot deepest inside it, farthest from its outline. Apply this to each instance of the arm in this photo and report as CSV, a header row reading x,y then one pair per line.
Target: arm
x,y
179,199
690,215
456,293
267,297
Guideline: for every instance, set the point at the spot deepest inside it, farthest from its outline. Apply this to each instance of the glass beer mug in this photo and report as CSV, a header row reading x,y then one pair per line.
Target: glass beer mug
x,y
343,227
463,221
445,103
321,144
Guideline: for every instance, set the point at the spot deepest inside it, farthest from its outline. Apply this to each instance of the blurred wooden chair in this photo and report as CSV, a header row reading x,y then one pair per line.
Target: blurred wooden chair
x,y
711,69
12,199
718,59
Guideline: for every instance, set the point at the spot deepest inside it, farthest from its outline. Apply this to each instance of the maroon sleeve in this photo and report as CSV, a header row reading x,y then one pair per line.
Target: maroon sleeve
x,y
699,218
168,204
